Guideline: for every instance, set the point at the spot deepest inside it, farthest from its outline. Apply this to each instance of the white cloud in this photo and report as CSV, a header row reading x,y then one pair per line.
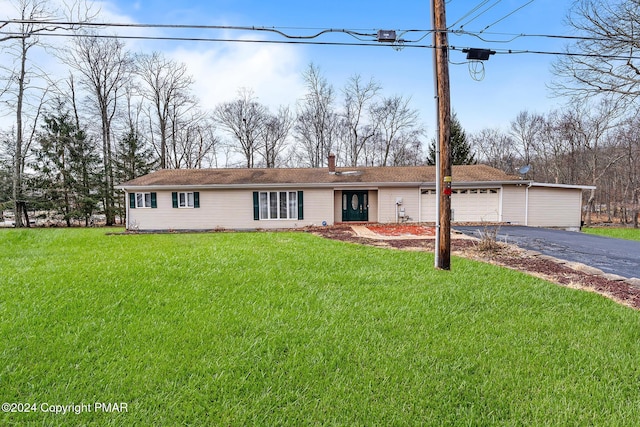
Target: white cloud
x,y
219,69
271,71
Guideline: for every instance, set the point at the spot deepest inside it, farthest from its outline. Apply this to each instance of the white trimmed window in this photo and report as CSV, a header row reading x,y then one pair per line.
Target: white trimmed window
x,y
142,200
185,199
278,205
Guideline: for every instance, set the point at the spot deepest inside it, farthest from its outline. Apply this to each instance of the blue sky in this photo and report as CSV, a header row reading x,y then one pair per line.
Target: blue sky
x,y
512,83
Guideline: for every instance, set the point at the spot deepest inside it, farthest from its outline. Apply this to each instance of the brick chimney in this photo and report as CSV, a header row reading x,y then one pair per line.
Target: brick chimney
x,y
332,163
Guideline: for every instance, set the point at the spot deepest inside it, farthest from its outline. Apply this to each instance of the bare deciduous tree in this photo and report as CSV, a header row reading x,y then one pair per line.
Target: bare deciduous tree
x,y
193,141
23,35
606,62
274,134
244,120
495,148
407,149
208,144
629,138
105,68
167,87
551,150
525,130
357,130
396,120
316,120
593,129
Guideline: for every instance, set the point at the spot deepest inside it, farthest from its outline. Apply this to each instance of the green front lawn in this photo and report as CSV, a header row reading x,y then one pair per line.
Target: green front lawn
x,y
292,329
617,232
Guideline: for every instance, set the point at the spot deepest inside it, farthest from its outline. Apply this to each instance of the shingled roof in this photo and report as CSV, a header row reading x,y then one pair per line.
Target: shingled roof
x,y
310,176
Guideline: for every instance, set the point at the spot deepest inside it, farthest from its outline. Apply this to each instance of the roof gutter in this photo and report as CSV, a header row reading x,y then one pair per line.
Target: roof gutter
x,y
345,185
332,185
568,186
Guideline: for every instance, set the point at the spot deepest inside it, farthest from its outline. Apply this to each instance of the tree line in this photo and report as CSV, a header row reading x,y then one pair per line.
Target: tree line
x,y
594,146
120,114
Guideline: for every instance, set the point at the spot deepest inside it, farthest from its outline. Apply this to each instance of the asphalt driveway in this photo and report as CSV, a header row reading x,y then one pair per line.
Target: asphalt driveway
x,y
614,256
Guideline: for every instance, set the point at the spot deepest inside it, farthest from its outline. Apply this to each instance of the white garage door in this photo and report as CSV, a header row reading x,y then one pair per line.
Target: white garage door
x,y
468,205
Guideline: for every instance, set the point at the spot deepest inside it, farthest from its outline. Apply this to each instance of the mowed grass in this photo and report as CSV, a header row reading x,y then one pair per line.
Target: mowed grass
x,y
268,329
617,232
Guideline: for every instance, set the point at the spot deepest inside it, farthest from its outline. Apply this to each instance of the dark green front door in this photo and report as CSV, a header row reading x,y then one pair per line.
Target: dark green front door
x,y
355,206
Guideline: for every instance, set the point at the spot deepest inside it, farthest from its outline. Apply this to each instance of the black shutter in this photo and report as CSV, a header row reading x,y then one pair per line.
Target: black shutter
x,y
256,206
196,199
300,206
154,200
174,199
132,200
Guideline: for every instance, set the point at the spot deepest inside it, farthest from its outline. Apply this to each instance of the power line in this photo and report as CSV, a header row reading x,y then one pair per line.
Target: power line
x,y
507,15
482,4
361,34
194,27
309,39
558,53
514,36
472,11
481,13
318,31
211,39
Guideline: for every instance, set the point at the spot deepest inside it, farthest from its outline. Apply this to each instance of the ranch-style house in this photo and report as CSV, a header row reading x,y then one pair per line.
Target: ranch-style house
x,y
206,199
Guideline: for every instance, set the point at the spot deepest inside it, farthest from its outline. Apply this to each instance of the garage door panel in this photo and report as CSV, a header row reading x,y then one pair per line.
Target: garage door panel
x,y
468,205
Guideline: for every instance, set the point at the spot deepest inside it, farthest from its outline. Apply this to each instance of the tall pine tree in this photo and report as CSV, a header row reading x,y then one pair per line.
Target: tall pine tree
x,y
67,175
133,157
460,149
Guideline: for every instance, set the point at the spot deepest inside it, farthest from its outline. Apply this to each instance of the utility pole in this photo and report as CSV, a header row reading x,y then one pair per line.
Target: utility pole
x,y
443,155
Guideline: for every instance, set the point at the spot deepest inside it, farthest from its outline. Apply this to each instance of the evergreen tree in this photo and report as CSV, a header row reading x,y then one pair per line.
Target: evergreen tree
x,y
85,167
133,158
67,177
6,170
6,184
460,149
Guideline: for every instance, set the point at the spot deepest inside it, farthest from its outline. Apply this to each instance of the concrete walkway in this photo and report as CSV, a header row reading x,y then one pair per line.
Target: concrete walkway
x,y
364,231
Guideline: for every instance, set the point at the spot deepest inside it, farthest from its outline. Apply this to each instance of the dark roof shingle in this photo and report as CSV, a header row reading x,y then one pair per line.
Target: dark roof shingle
x,y
378,175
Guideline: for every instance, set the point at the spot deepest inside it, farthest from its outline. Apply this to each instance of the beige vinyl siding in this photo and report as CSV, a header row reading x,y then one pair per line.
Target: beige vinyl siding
x,y
373,205
318,207
232,209
514,204
554,207
387,204
337,206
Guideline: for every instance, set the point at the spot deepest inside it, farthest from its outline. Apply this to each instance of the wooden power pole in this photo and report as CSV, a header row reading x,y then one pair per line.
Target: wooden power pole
x,y
443,96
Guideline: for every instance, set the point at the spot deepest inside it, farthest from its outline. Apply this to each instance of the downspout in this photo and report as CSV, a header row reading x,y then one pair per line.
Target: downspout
x,y
501,201
526,203
397,218
127,207
419,204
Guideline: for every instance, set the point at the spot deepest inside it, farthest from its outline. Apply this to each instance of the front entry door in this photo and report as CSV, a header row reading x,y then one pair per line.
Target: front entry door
x,y
355,206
